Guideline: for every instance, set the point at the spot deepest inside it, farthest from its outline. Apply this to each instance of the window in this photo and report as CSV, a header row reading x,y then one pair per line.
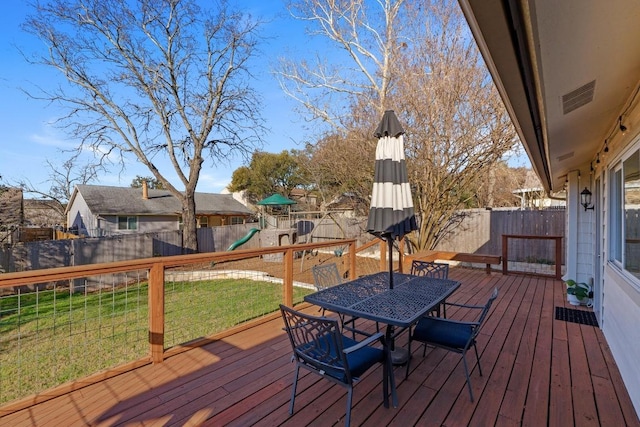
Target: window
x,y
237,220
616,216
203,221
631,168
127,223
625,214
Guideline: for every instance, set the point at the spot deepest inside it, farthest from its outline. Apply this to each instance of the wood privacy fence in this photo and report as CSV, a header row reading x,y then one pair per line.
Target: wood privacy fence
x,y
96,250
480,232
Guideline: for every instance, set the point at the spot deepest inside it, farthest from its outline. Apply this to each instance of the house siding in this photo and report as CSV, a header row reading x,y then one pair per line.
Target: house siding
x,y
585,254
94,210
79,216
621,291
146,224
620,327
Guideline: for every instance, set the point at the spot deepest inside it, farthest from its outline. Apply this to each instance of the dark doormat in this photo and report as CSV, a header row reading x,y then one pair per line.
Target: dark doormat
x,y
582,317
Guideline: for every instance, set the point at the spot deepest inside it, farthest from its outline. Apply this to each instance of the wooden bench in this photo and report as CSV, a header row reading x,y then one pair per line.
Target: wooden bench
x,y
454,256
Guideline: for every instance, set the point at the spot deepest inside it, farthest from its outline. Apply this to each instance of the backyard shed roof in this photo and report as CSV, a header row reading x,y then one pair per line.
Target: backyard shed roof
x,y
106,200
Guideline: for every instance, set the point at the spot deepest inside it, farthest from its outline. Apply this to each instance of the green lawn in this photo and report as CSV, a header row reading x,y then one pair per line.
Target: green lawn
x,y
53,336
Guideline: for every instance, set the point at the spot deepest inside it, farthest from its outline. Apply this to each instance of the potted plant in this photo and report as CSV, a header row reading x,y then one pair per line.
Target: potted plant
x,y
577,293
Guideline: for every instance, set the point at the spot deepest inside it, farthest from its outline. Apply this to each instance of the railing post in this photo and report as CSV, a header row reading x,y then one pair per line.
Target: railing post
x,y
559,257
558,251
156,312
288,278
505,252
383,255
352,261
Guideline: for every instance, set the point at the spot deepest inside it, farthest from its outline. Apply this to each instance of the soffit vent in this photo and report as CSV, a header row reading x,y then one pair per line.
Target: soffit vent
x,y
579,97
565,156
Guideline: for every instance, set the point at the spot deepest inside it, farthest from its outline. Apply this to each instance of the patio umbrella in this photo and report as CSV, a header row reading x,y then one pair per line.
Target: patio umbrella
x,y
391,215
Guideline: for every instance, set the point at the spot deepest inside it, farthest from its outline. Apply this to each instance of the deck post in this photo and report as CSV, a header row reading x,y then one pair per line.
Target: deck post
x,y
352,261
558,240
505,254
383,255
288,278
156,312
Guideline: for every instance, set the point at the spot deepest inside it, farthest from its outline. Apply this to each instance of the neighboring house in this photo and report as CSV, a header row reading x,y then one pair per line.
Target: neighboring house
x,y
96,210
350,204
43,213
536,198
568,72
240,196
306,200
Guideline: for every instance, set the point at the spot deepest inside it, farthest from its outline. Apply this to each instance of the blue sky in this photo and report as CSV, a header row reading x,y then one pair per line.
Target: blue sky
x,y
29,138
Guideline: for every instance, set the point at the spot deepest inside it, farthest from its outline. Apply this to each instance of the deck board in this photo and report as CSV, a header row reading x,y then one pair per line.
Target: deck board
x,y
537,371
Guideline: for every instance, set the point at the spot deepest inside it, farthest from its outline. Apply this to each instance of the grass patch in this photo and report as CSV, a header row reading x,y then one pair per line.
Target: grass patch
x,y
53,336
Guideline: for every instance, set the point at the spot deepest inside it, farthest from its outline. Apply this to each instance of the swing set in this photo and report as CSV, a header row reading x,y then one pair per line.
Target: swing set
x,y
327,216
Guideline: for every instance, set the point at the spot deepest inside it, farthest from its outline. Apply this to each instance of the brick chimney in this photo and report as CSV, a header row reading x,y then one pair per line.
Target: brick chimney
x,y
145,190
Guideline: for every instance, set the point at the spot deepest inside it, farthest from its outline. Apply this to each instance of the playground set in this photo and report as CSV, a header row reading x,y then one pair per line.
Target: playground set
x,y
298,227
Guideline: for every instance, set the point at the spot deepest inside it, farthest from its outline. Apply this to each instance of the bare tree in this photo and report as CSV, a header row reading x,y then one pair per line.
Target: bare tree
x,y
154,79
365,34
420,60
458,129
62,180
341,164
496,187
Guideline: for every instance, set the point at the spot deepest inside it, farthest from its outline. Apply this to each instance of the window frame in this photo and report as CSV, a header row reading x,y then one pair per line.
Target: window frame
x,y
128,220
621,181
615,216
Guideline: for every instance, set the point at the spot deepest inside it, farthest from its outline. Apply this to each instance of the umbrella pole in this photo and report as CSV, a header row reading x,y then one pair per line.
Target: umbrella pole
x,y
399,356
390,244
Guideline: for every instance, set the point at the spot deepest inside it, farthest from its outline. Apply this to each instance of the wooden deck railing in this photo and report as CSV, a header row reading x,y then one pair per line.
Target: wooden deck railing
x,y
558,252
19,290
157,267
156,331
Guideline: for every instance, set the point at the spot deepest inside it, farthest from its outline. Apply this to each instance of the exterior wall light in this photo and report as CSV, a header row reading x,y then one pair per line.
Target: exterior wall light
x,y
585,199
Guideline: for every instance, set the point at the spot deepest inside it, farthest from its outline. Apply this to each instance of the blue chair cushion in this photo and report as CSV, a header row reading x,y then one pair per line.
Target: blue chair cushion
x,y
442,332
362,359
359,361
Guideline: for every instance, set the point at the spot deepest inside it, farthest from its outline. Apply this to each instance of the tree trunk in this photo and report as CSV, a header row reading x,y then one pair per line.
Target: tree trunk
x,y
189,231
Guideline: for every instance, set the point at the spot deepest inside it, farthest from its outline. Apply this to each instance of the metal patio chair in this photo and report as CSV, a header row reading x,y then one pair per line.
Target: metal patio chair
x,y
326,276
319,347
436,270
452,335
433,269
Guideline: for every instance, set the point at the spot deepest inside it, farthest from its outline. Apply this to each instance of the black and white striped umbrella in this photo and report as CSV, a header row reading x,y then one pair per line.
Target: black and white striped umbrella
x,y
391,215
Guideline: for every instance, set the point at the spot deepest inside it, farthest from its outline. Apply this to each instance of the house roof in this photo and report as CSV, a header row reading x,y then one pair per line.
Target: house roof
x,y
106,200
567,72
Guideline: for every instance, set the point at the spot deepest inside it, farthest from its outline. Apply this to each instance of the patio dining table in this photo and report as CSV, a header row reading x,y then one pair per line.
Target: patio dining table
x,y
369,297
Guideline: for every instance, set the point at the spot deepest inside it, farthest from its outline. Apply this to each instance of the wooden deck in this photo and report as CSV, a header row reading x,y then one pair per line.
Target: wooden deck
x,y
537,371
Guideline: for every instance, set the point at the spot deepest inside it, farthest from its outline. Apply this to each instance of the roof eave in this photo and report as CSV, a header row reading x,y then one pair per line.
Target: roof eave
x,y
512,68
